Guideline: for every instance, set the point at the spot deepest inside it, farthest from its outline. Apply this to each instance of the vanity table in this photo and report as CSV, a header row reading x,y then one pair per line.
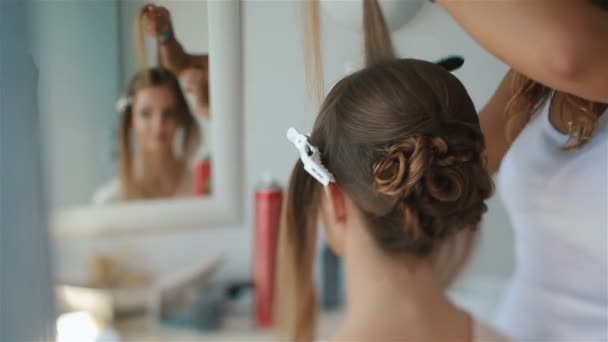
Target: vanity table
x,y
234,328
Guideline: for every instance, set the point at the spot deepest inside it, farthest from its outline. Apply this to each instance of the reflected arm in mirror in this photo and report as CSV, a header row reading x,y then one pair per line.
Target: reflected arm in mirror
x,y
173,56
192,70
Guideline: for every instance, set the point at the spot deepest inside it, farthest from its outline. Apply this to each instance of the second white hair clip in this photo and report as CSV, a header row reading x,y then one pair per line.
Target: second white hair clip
x,y
310,156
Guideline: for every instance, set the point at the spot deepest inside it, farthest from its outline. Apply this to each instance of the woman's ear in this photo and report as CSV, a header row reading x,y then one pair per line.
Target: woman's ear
x,y
337,202
334,217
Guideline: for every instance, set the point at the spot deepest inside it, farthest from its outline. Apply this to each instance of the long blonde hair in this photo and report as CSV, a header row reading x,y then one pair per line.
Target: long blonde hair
x,y
402,139
139,40
191,136
377,45
529,96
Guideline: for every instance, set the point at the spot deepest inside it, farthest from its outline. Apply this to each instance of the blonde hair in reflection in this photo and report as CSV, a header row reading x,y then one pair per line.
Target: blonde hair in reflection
x,y
139,38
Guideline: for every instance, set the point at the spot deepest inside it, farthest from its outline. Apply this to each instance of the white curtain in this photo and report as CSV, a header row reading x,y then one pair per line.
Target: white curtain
x,y
26,300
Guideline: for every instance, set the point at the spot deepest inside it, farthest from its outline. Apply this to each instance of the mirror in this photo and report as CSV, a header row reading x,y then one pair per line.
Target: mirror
x,y
141,105
160,144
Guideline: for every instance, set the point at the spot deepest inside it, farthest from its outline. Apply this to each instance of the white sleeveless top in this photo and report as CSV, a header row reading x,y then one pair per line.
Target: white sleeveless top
x,y
484,333
558,206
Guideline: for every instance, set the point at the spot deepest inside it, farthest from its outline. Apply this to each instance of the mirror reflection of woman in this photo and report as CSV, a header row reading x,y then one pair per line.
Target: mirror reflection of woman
x,y
158,137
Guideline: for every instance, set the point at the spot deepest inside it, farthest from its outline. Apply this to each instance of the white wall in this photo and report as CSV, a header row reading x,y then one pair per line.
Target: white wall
x,y
275,100
27,311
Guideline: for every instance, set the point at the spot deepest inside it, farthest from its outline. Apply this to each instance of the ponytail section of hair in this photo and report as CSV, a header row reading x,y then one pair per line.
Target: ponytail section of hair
x,y
139,39
296,305
377,42
377,39
313,57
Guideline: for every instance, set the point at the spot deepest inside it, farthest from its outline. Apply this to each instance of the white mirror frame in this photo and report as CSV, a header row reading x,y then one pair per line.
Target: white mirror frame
x,y
225,206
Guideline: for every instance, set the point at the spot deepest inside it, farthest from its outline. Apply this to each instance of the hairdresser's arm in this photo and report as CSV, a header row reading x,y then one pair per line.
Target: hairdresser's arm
x,y
157,23
493,122
560,43
173,56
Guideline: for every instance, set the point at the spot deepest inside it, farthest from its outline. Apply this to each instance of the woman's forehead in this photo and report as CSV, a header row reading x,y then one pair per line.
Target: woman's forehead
x,y
155,95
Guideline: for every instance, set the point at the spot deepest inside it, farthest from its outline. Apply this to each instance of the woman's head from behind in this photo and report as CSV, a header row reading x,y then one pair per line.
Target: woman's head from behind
x,y
157,110
402,139
403,142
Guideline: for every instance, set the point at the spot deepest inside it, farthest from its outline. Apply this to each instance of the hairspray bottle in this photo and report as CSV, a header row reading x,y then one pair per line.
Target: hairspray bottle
x,y
202,177
268,201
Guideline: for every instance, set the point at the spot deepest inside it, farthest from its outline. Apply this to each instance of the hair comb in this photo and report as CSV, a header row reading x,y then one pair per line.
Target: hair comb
x,y
451,63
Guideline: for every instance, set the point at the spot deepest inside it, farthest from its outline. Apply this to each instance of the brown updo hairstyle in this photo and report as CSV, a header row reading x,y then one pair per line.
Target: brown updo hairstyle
x,y
403,141
153,77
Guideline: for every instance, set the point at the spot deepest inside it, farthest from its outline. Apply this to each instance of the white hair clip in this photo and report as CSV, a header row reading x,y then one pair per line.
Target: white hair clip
x,y
122,103
310,156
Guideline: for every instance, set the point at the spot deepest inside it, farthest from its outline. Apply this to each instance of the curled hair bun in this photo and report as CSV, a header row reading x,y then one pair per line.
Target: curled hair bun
x,y
402,167
440,189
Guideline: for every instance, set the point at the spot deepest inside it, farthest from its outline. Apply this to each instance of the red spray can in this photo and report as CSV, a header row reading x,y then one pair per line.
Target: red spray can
x,y
268,201
202,177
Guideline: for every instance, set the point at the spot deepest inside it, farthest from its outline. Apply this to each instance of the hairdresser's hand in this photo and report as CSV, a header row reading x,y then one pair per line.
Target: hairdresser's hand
x,y
156,20
192,79
195,83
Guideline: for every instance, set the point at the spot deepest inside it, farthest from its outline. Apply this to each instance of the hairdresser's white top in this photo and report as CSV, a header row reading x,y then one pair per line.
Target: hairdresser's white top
x,y
559,210
110,192
484,333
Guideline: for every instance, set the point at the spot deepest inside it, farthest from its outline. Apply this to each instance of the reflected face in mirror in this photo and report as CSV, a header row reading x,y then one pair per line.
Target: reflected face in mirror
x,y
155,119
154,161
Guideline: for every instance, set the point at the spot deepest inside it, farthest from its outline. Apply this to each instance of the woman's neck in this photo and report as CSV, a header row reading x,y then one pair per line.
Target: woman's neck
x,y
389,296
157,173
